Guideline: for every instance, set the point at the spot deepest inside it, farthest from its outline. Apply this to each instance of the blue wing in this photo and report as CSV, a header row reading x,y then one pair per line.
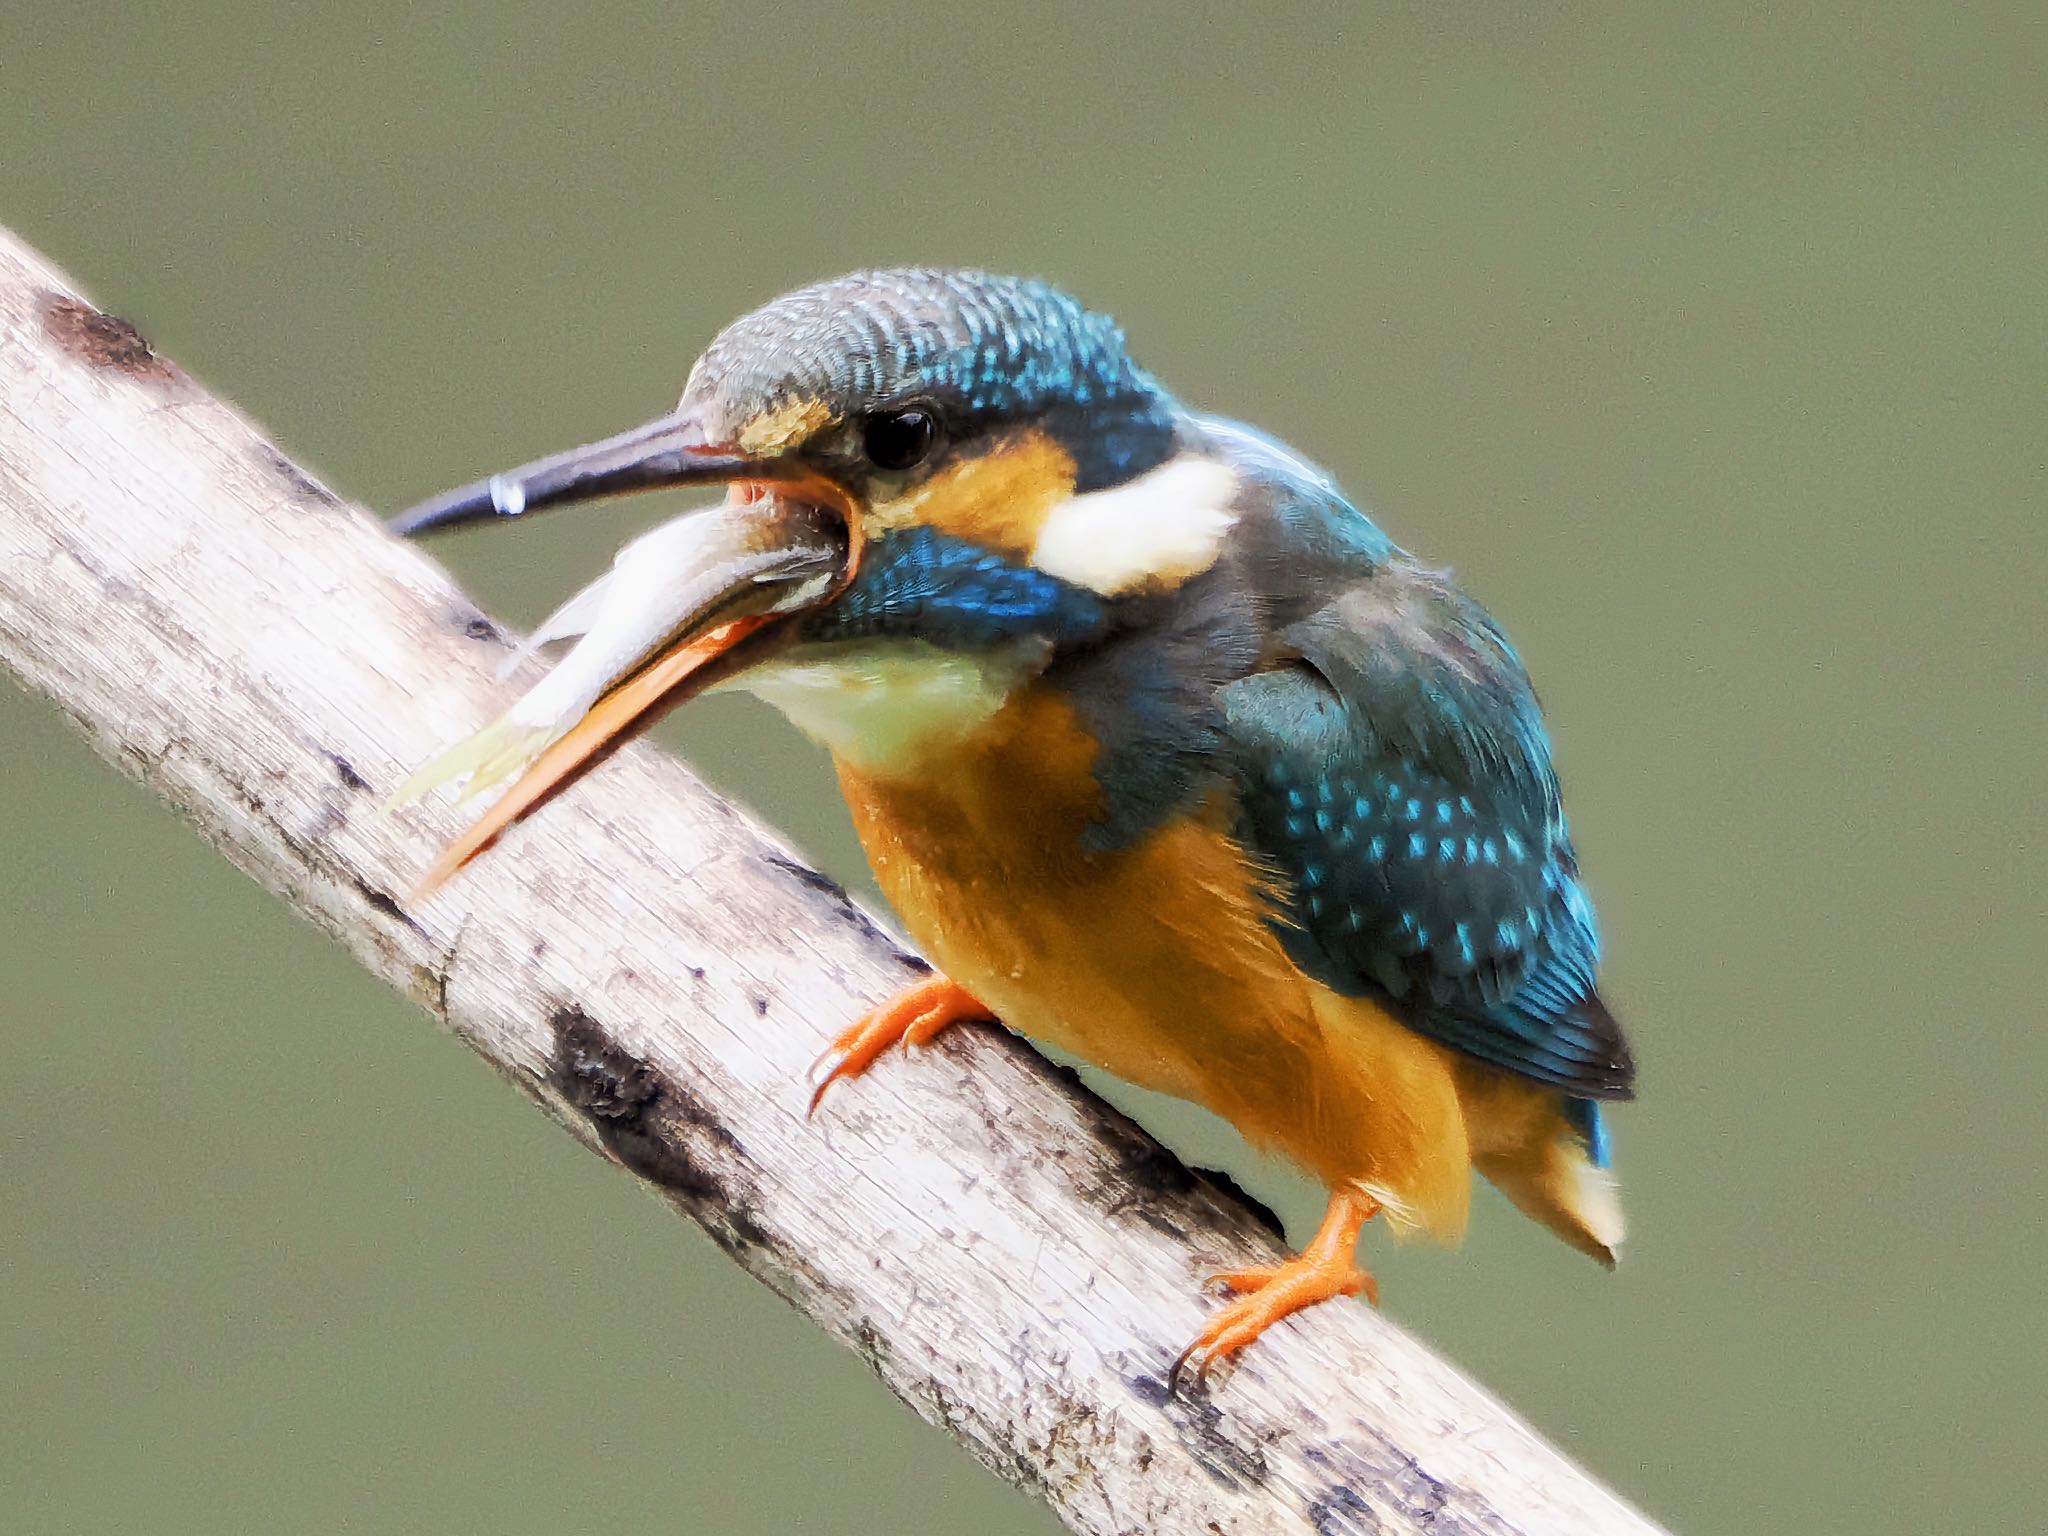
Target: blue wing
x,y
1394,774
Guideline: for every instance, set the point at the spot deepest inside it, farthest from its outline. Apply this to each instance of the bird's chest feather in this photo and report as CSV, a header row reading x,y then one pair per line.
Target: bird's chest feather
x,y
1152,960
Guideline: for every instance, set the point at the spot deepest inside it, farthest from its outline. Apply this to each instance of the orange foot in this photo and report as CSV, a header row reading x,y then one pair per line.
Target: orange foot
x,y
915,1016
1269,1292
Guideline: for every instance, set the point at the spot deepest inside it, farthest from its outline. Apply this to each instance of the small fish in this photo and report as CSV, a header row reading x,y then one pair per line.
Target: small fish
x,y
703,569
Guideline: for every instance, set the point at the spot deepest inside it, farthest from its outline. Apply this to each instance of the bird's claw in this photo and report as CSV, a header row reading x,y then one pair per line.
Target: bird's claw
x,y
1267,1293
914,1016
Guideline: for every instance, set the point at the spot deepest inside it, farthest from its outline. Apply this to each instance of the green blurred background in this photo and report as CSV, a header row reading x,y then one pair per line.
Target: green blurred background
x,y
1707,341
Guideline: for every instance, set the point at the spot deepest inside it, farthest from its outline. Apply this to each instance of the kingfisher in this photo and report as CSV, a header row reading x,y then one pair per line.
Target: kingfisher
x,y
1162,751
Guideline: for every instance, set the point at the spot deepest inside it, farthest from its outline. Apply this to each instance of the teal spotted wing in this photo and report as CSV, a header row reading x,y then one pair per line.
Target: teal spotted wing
x,y
1394,774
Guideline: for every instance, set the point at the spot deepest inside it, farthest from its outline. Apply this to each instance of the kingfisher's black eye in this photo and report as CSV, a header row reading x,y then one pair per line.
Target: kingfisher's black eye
x,y
897,440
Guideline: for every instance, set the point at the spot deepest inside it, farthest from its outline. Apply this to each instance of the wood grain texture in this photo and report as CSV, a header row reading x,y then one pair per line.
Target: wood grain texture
x,y
1017,1261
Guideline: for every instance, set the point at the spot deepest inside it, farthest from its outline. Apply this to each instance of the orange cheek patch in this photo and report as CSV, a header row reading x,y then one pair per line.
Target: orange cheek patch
x,y
998,499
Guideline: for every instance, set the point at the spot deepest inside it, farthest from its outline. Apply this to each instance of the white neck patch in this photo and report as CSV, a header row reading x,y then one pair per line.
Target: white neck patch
x,y
1164,526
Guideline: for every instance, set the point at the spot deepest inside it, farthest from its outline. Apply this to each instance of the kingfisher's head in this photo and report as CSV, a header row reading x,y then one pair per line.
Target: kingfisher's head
x,y
900,386
957,401
936,481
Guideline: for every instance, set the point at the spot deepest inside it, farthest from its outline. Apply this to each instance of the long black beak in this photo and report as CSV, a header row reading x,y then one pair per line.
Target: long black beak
x,y
669,452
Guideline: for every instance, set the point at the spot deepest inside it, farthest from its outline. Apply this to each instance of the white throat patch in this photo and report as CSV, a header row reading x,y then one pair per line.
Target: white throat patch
x,y
1164,526
881,704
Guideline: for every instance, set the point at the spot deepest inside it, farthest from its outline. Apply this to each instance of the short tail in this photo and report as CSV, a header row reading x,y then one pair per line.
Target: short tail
x,y
1562,1180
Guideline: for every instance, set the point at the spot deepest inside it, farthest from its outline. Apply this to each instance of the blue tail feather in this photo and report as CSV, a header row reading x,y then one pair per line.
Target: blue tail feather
x,y
1586,1118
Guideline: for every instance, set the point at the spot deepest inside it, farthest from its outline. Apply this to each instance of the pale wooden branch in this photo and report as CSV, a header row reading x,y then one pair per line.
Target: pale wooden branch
x,y
1017,1261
